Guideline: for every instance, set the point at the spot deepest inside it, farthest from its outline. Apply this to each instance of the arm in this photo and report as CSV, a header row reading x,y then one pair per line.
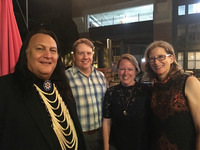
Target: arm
x,y
106,132
192,92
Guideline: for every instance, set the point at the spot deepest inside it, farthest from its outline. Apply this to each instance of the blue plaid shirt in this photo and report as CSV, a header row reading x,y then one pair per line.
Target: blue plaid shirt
x,y
88,93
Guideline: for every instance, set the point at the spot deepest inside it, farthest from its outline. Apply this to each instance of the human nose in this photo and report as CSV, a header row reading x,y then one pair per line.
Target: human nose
x,y
125,71
47,53
85,55
156,60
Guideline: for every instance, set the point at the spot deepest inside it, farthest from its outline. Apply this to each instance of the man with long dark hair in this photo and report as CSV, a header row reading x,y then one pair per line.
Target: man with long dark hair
x,y
37,108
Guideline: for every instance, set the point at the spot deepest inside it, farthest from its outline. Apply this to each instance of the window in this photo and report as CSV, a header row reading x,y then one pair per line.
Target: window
x,y
181,33
194,32
194,8
122,16
193,60
181,10
180,58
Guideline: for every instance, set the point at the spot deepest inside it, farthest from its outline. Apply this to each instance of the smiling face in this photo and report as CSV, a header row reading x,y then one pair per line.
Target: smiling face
x,y
161,68
42,55
126,72
83,57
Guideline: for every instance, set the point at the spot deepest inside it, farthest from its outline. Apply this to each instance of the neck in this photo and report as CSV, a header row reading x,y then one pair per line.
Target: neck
x,y
162,78
86,72
130,84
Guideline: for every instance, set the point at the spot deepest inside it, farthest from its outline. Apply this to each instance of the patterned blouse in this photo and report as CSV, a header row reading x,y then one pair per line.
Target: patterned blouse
x,y
172,124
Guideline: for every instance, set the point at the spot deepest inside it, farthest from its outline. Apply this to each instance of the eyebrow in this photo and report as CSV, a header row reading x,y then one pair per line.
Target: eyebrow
x,y
45,46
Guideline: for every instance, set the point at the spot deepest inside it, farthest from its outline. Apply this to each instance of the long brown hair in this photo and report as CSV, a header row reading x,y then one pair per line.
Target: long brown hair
x,y
175,67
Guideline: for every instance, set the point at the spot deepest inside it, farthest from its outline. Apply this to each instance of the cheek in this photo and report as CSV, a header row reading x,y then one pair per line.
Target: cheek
x,y
77,58
151,66
33,56
30,58
133,74
91,58
56,58
31,63
73,57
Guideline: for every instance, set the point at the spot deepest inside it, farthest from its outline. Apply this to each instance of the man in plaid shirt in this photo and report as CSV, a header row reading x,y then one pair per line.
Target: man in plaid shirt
x,y
88,87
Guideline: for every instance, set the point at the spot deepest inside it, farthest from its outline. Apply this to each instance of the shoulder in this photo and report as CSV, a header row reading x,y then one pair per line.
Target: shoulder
x,y
99,75
143,87
192,87
98,72
181,76
193,96
192,82
114,88
69,70
6,76
7,80
9,87
113,92
178,81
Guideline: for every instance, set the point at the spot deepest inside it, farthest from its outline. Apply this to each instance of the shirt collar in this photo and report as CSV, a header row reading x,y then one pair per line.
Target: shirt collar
x,y
76,70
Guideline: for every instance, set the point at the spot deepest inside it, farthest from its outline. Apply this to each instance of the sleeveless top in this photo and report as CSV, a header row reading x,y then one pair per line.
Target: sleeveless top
x,y
172,123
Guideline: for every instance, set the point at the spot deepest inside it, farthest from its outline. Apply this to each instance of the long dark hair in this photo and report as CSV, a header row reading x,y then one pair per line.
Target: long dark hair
x,y
58,75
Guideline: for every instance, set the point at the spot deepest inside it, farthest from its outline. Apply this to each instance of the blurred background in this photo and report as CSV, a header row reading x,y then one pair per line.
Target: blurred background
x,y
117,27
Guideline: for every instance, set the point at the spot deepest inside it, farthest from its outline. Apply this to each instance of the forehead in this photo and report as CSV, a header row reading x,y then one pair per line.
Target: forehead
x,y
157,51
126,62
41,38
83,47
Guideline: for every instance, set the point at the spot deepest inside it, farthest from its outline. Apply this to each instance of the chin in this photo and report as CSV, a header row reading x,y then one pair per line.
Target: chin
x,y
46,74
86,66
124,84
159,73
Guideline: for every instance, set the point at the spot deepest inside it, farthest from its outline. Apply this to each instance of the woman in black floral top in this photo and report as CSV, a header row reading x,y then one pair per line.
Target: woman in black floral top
x,y
175,102
125,110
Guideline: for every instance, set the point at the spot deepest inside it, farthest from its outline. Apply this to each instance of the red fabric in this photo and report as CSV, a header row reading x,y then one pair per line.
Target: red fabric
x,y
10,40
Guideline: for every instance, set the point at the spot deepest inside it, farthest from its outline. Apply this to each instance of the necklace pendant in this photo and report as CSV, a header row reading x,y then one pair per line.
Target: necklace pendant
x,y
47,85
125,113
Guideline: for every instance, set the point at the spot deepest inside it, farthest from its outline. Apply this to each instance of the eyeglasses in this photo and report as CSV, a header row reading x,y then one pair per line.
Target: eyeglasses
x,y
159,58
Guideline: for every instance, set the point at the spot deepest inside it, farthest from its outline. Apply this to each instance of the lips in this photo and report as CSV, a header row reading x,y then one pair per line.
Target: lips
x,y
125,77
158,67
85,61
48,63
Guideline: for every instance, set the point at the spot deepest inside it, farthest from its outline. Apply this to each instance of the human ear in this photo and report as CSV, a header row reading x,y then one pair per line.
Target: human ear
x,y
171,59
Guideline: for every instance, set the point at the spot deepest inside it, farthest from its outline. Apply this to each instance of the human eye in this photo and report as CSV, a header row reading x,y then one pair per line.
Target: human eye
x,y
53,50
39,48
122,69
130,69
80,53
151,59
161,57
89,53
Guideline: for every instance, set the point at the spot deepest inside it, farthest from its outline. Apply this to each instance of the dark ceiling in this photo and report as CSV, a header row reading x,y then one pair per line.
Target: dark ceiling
x,y
51,14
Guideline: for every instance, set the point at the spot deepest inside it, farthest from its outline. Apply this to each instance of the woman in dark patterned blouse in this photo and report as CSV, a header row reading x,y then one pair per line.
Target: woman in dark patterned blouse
x,y
125,110
175,101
